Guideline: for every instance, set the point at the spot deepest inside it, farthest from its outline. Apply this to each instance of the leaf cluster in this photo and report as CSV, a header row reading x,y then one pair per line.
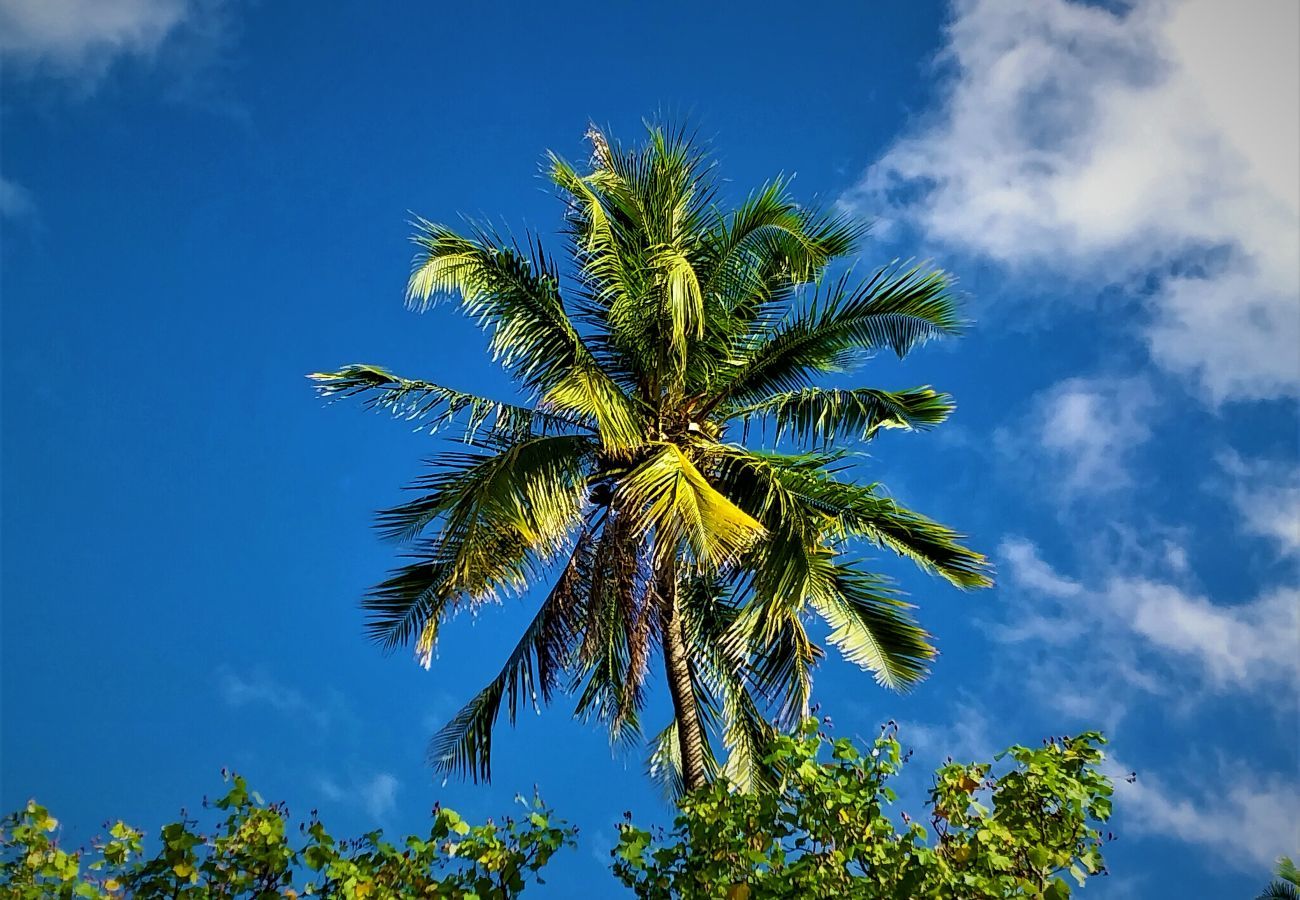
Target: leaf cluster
x,y
251,852
1023,825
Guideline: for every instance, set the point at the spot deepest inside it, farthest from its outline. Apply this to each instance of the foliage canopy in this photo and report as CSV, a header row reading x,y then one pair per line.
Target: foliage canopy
x,y
1023,825
826,832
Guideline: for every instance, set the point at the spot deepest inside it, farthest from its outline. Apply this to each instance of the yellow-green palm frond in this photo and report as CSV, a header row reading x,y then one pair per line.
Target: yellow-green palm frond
x,y
668,496
679,288
516,297
498,518
873,627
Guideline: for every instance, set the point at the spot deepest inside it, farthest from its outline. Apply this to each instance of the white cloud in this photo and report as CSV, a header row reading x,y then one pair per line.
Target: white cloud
x,y
82,38
1031,572
260,690
1248,820
964,735
1084,431
1267,497
15,200
1246,646
379,794
1137,627
1113,147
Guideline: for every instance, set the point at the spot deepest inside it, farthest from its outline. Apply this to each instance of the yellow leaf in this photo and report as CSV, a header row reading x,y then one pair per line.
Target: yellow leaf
x,y
112,885
738,892
183,869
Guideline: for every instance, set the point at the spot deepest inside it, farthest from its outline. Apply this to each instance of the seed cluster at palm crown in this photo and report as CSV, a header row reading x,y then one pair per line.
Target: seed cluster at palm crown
x,y
671,328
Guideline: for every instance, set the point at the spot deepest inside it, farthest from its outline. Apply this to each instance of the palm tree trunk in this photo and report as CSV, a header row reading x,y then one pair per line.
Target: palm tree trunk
x,y
677,667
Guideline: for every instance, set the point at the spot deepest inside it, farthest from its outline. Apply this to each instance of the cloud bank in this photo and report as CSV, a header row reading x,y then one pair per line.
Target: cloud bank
x,y
1152,147
82,38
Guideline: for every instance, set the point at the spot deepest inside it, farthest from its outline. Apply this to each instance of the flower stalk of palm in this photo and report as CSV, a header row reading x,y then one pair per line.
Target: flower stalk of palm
x,y
673,326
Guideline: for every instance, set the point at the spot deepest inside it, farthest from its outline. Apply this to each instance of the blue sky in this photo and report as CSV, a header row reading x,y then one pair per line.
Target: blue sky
x,y
202,201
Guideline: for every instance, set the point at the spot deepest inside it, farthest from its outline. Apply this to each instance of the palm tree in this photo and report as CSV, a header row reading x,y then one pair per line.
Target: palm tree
x,y
673,328
1287,884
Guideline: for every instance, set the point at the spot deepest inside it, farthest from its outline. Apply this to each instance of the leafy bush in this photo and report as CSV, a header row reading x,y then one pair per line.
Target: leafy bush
x,y
1014,827
249,854
825,832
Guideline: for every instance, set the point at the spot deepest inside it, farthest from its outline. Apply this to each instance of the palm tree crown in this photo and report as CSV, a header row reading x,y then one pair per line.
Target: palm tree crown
x,y
673,327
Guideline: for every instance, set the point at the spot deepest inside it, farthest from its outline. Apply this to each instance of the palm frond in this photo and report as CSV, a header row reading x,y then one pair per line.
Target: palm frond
x,y
874,629
516,297
534,667
499,516
437,406
780,655
664,762
709,615
668,496
858,511
897,308
617,633
820,415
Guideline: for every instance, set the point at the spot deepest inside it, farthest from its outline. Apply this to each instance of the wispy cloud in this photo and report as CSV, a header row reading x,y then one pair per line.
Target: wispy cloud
x,y
1129,633
1079,435
964,735
375,793
15,201
1266,494
1151,146
1247,820
239,690
81,39
379,794
1244,647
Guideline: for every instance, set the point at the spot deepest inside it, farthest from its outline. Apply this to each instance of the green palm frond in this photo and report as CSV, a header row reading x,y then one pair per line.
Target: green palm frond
x,y
780,655
499,516
534,667
858,511
1287,884
1279,890
437,406
751,262
709,617
873,628
664,762
897,308
820,415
